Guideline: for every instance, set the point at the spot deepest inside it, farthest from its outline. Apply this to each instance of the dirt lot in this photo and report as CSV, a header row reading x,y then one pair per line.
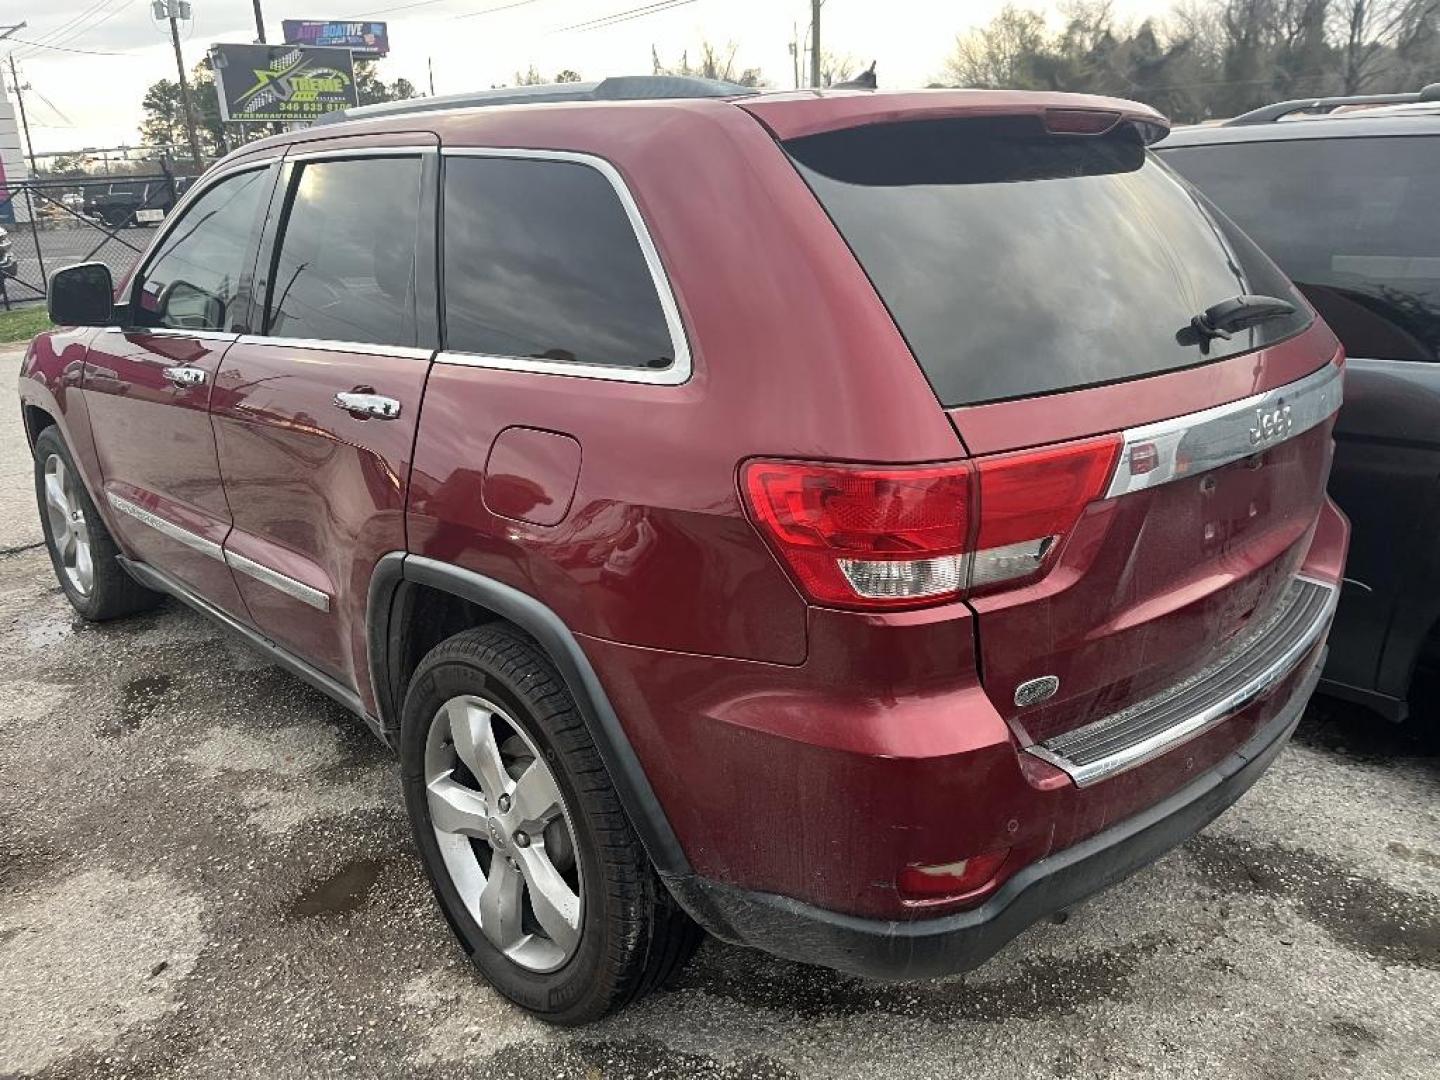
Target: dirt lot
x,y
205,872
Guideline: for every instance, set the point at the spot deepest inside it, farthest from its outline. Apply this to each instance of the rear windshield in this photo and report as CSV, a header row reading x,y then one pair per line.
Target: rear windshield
x,y
1019,263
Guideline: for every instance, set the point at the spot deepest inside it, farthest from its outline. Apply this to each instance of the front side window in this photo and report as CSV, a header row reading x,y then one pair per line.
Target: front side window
x,y
1352,220
541,261
193,281
344,267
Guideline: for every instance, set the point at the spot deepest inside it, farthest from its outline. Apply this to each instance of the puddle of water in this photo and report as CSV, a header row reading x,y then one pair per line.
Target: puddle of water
x,y
345,890
139,698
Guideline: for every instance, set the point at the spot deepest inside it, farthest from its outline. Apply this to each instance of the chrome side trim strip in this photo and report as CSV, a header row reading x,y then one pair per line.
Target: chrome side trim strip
x,y
1202,720
1197,442
678,372
363,348
178,332
359,151
168,528
289,586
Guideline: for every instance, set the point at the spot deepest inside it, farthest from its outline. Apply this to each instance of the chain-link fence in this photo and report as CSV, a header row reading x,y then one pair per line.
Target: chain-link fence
x,y
53,223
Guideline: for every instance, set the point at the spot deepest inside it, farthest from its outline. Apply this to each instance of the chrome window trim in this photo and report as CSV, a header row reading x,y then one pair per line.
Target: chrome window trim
x,y
1200,441
680,367
360,151
321,344
282,582
166,527
1200,722
171,331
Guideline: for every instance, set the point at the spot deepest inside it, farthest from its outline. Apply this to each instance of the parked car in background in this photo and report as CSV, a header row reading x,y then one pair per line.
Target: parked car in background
x,y
858,525
130,202
1348,204
9,266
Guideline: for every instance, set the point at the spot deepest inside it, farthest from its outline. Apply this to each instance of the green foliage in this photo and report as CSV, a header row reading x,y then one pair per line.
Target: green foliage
x,y
23,323
371,89
1207,58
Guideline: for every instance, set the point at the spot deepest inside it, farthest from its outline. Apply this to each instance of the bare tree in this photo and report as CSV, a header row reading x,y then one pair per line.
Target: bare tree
x,y
715,63
1000,53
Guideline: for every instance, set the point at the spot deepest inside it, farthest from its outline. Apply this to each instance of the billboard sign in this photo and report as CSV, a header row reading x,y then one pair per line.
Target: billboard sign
x,y
365,39
282,82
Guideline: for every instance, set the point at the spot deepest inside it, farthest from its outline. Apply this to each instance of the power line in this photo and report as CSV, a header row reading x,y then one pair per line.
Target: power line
x,y
491,11
81,31
51,35
62,48
625,16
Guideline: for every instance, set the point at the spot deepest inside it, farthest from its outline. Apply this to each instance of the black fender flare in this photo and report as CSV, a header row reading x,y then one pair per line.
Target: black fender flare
x,y
384,626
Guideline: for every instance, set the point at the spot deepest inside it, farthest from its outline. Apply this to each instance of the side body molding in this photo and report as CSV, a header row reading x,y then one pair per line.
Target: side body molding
x,y
386,624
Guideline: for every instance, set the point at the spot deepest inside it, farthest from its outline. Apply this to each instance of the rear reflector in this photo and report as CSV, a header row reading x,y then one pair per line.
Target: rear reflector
x,y
951,881
861,537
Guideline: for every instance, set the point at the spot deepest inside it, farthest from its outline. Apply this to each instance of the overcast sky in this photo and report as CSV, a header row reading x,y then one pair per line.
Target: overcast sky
x,y
80,99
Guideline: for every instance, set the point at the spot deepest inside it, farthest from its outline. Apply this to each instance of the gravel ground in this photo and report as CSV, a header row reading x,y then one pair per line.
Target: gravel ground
x,y
205,872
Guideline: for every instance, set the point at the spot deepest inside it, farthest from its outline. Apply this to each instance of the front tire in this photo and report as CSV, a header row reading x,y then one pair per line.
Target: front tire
x,y
523,837
81,548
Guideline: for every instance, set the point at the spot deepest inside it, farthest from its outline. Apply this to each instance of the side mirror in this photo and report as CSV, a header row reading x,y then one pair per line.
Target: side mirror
x,y
82,295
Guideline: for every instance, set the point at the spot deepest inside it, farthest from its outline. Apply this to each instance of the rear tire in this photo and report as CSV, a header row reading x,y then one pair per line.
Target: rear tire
x,y
487,723
82,550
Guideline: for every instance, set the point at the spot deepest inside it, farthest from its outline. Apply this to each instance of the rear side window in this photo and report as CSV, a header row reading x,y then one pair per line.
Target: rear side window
x,y
193,281
1352,220
541,261
1019,263
345,263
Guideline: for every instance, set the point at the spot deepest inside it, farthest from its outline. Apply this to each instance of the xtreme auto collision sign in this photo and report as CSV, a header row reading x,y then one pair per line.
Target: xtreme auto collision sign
x,y
282,82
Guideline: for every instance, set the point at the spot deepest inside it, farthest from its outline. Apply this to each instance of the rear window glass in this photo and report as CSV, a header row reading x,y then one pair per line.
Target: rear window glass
x,y
1019,263
1352,220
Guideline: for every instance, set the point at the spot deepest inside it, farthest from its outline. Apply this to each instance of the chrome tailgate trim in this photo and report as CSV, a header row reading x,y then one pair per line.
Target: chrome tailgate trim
x,y
1249,666
1197,442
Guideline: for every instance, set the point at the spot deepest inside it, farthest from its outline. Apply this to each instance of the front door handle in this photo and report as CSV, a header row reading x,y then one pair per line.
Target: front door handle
x,y
184,376
368,405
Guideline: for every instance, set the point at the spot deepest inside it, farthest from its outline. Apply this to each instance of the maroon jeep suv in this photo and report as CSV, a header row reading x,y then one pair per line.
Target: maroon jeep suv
x,y
855,524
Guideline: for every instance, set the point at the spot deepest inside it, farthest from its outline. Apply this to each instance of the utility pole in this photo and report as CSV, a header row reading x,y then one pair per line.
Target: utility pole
x,y
174,11
259,24
20,96
24,120
815,6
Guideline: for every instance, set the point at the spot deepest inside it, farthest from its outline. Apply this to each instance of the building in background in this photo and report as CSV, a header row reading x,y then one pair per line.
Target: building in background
x,y
13,167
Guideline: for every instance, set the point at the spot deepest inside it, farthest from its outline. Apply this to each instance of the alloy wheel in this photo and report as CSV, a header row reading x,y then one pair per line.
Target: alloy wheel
x,y
68,529
504,832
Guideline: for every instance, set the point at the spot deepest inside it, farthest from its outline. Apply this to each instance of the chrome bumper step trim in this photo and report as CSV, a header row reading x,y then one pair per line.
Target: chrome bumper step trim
x,y
1249,666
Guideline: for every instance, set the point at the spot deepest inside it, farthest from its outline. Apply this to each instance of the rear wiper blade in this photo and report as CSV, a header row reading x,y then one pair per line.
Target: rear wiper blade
x,y
1229,316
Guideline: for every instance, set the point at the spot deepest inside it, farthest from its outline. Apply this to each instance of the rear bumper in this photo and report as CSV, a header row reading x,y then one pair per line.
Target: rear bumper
x,y
889,949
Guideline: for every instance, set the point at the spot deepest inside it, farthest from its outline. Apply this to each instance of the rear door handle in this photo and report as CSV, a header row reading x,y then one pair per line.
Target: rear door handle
x,y
372,406
184,376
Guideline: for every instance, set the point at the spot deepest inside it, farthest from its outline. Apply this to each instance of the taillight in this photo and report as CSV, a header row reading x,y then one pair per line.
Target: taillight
x,y
856,537
862,537
1029,500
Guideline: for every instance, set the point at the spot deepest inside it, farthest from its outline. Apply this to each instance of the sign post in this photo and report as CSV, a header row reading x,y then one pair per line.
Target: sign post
x,y
261,83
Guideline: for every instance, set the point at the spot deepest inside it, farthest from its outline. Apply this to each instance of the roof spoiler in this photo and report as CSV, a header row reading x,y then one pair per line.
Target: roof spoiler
x,y
1269,113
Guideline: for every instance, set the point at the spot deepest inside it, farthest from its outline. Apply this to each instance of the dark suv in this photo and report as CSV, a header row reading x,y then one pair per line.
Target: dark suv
x,y
1348,203
855,524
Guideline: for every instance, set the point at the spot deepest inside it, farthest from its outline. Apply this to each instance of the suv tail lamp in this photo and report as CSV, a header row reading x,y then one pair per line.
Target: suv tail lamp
x,y
858,537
